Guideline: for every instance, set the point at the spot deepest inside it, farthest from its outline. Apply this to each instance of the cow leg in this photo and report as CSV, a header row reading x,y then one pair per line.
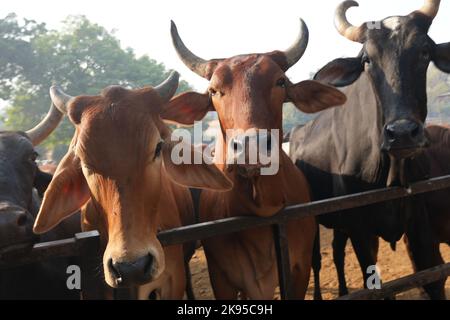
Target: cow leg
x,y
223,290
189,290
317,265
435,290
423,247
339,244
364,250
425,254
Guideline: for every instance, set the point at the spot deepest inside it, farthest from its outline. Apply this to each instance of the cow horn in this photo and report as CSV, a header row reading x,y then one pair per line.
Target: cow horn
x,y
430,8
167,89
40,132
196,64
59,98
296,51
344,27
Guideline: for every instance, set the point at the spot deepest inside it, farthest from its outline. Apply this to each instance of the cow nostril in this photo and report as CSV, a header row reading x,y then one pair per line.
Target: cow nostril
x,y
114,271
22,220
415,132
390,132
148,264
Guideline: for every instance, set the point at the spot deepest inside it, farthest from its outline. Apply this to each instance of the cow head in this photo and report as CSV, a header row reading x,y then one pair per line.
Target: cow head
x,y
117,157
396,54
19,175
248,92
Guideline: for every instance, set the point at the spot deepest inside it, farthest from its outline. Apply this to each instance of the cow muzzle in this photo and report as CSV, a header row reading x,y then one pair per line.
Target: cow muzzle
x,y
16,225
133,273
254,154
404,138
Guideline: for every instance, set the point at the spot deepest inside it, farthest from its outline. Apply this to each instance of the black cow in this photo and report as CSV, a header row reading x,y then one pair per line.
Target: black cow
x,y
370,142
21,182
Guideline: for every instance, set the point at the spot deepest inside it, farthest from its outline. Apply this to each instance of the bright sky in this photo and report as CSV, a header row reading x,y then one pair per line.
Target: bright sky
x,y
213,29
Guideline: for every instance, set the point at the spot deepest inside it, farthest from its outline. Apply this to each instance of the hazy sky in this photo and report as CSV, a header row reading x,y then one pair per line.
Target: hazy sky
x,y
214,29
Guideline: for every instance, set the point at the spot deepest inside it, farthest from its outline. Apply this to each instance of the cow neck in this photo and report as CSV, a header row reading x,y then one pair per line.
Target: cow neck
x,y
363,120
262,196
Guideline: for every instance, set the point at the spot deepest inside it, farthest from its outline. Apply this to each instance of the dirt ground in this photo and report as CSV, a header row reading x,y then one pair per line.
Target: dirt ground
x,y
393,265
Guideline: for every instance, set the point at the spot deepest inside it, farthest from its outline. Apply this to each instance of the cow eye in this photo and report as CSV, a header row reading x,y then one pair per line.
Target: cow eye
x,y
33,157
281,83
212,92
426,54
158,149
366,59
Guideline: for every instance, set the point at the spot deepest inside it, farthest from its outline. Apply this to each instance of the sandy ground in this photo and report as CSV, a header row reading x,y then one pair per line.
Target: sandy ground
x,y
393,265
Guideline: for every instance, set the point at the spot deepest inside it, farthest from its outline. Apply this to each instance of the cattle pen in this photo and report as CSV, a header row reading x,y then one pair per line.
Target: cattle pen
x,y
86,245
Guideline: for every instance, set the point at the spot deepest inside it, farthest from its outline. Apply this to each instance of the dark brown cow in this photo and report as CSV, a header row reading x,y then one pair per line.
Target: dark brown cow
x,y
248,93
436,161
119,167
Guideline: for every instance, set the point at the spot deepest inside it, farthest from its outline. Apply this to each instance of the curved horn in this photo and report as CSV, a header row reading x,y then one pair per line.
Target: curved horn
x,y
196,64
430,8
59,98
344,27
295,52
167,89
46,126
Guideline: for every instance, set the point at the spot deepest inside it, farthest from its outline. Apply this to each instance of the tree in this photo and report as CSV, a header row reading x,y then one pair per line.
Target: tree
x,y
82,57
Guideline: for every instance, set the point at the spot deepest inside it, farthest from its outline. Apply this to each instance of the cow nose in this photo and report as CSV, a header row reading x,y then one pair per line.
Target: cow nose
x,y
16,217
15,226
21,220
404,135
128,274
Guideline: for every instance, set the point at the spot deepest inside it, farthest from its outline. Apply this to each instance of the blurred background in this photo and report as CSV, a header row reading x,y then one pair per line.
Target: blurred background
x,y
85,46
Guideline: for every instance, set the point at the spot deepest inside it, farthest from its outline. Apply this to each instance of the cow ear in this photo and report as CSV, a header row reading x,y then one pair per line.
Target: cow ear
x,y
187,108
442,57
312,96
199,176
41,181
65,195
341,72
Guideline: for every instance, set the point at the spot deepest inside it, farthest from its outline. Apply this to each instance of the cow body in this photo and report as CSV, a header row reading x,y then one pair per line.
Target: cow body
x,y
245,262
372,141
435,160
175,209
437,156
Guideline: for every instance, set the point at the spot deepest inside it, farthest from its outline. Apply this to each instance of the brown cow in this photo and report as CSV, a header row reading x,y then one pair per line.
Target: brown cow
x,y
248,92
119,165
436,161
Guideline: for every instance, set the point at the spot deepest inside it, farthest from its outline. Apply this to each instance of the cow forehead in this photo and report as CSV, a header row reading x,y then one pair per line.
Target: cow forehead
x,y
15,141
116,131
401,32
245,67
115,92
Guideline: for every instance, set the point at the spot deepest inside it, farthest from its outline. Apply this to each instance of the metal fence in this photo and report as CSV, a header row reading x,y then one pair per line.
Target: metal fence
x,y
86,245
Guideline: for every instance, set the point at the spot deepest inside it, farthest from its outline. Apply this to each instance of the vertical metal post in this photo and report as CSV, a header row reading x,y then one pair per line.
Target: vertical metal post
x,y
92,282
283,262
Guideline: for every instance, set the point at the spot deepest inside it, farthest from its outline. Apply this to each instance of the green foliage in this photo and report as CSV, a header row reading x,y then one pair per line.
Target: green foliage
x,y
82,57
293,117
